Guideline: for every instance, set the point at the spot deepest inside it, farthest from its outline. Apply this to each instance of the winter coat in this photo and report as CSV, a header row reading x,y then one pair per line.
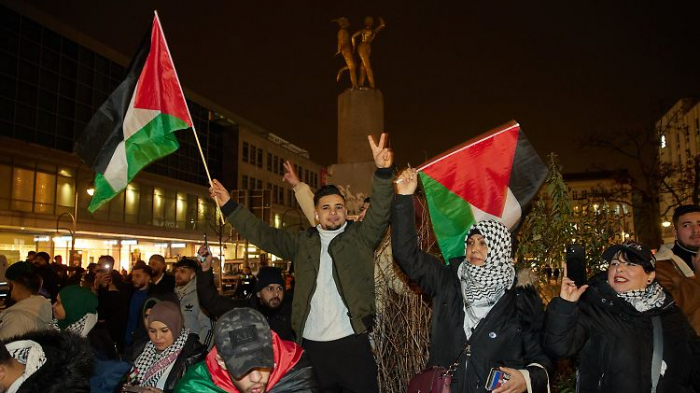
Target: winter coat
x,y
195,319
614,342
280,319
68,367
673,273
192,353
30,314
508,336
292,373
352,252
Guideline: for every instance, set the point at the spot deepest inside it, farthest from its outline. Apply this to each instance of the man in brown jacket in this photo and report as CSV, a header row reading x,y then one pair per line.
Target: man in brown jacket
x,y
678,267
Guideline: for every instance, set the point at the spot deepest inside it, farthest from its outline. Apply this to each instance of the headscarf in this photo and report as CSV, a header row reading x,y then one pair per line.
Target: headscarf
x,y
151,364
78,303
484,285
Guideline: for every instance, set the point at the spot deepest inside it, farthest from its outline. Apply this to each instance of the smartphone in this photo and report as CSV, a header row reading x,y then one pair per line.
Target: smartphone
x,y
104,269
496,379
203,258
576,263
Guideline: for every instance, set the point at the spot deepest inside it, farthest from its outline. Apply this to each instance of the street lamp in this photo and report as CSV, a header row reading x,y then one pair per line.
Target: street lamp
x,y
74,216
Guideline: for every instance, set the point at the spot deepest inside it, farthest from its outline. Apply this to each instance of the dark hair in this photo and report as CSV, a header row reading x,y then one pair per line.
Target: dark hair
x,y
29,280
108,258
188,263
326,190
637,260
683,209
31,253
157,257
5,356
44,255
141,265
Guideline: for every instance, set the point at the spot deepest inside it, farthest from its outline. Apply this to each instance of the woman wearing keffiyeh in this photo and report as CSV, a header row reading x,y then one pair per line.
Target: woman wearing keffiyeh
x,y
168,354
484,317
611,324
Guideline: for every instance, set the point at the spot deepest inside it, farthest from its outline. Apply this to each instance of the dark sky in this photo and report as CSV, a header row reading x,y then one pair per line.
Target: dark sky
x,y
449,70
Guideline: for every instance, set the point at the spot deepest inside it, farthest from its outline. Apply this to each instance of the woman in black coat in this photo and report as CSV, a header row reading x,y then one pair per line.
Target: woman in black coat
x,y
168,355
477,303
609,324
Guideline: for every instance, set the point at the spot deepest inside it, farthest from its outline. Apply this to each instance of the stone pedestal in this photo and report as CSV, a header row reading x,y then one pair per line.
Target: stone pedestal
x,y
360,113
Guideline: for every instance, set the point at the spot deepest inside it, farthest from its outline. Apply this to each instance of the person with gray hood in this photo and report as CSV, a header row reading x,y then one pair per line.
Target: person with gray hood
x,y
31,312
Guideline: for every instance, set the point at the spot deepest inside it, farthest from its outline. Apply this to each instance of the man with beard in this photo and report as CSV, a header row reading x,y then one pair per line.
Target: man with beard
x,y
140,279
678,267
269,297
186,289
162,282
334,304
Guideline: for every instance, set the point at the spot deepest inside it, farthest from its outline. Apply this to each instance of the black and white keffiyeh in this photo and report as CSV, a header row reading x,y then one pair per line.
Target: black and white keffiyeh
x,y
642,300
81,327
28,353
483,286
150,365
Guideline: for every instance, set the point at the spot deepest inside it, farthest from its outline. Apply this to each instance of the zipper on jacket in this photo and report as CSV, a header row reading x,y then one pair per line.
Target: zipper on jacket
x,y
600,381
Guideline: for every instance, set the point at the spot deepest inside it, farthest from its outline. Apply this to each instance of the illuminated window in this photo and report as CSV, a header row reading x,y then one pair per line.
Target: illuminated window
x,y
133,197
45,193
22,189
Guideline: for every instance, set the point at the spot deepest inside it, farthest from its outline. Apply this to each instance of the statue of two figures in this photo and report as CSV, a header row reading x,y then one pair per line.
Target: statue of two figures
x,y
348,45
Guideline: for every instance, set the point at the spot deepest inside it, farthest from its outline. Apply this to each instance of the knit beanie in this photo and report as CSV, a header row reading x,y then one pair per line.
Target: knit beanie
x,y
168,313
77,301
268,275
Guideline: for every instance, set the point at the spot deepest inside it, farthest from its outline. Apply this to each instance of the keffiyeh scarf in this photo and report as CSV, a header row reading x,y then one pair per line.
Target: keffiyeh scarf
x,y
150,365
80,327
483,286
642,300
28,353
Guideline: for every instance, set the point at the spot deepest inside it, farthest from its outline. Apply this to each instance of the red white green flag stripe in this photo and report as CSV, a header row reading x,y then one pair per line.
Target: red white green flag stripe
x,y
492,176
136,125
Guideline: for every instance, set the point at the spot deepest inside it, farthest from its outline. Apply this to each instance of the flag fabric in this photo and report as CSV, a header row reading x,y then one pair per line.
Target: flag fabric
x,y
136,125
493,176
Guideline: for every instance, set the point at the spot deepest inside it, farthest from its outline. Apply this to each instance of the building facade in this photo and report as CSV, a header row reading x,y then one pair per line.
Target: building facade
x,y
679,146
52,80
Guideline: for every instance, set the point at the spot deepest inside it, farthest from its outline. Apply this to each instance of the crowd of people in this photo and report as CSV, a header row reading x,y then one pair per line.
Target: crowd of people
x,y
632,328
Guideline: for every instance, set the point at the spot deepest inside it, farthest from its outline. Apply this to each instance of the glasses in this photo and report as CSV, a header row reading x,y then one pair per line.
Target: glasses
x,y
616,263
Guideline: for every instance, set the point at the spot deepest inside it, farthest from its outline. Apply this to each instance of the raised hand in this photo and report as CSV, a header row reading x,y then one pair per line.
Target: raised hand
x,y
407,182
204,252
218,192
290,175
383,157
569,291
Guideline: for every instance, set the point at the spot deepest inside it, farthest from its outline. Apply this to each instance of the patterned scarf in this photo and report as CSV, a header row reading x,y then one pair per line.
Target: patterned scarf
x,y
28,353
642,300
150,365
483,286
78,327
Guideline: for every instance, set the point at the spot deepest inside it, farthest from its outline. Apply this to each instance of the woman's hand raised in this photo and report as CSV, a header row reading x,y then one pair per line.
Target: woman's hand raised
x,y
407,182
569,291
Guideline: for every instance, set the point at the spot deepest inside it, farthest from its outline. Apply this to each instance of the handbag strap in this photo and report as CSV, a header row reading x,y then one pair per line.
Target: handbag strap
x,y
658,355
465,351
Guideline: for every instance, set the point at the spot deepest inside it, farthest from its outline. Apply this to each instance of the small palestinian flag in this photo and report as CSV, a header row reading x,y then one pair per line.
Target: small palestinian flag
x,y
136,125
492,176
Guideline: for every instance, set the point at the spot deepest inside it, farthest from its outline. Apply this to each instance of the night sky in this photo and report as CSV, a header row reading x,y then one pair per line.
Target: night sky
x,y
449,70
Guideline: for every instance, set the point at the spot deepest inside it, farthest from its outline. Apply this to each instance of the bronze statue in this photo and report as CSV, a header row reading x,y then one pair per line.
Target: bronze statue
x,y
345,48
364,49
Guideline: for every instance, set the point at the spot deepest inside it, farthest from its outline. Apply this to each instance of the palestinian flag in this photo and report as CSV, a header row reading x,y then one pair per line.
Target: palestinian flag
x,y
493,176
136,125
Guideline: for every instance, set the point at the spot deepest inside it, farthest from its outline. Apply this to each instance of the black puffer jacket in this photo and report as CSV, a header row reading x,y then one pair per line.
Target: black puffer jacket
x,y
508,336
614,342
68,367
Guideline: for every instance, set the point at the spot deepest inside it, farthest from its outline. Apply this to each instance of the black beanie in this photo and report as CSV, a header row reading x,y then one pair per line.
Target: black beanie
x,y
268,275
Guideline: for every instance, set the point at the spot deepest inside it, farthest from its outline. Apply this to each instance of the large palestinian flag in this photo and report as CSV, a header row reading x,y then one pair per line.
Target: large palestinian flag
x,y
136,125
492,176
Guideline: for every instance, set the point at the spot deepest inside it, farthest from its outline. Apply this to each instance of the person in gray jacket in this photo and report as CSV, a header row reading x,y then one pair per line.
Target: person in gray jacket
x,y
186,289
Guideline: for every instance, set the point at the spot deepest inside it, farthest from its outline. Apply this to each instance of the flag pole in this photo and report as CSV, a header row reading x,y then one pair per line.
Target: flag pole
x,y
219,214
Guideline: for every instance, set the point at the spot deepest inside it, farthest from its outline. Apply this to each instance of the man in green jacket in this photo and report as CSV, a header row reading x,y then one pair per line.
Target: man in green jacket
x,y
333,308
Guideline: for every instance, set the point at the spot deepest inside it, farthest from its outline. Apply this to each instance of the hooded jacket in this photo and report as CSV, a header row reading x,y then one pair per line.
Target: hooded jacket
x,y
614,342
292,373
509,335
673,273
69,363
195,319
30,314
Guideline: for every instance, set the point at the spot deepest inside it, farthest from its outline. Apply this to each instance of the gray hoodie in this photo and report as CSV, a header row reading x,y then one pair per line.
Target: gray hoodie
x,y
30,314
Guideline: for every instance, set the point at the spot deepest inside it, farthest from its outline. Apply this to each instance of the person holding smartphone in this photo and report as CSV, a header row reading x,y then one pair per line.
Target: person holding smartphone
x,y
611,323
483,318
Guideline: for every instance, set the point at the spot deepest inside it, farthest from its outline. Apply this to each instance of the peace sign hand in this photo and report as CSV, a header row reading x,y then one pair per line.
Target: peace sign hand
x,y
383,157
